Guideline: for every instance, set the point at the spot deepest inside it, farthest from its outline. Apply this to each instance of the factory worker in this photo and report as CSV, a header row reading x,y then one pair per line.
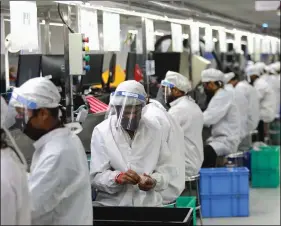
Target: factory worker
x,y
131,162
222,115
15,200
59,179
189,116
175,140
266,98
273,79
231,81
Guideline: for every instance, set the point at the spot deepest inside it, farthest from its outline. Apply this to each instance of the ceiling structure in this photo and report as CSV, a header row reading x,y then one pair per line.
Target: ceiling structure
x,y
239,14
240,10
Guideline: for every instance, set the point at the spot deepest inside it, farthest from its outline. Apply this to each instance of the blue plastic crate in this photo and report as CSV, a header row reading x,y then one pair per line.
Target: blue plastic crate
x,y
225,206
224,181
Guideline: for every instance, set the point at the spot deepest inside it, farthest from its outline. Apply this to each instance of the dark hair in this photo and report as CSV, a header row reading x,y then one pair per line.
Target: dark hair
x,y
54,112
236,77
219,83
3,139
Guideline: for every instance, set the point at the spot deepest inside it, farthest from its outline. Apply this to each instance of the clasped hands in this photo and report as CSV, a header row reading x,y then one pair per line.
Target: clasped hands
x,y
145,182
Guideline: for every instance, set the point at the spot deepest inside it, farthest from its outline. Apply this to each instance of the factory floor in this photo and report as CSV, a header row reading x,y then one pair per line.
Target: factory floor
x,y
264,210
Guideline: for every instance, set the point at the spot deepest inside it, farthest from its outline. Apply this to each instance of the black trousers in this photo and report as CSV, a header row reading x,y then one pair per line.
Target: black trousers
x,y
261,131
210,157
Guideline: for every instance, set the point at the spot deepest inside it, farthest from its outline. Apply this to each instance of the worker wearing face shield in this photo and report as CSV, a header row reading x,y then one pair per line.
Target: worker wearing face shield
x,y
131,162
223,115
174,137
189,116
59,180
15,200
231,82
266,98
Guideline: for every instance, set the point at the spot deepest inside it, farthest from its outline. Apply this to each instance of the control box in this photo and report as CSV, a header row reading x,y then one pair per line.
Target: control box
x,y
78,58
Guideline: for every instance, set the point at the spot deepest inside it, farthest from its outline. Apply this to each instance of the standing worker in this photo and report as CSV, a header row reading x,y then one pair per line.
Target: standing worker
x,y
59,179
251,107
15,201
231,81
266,98
189,116
223,115
131,162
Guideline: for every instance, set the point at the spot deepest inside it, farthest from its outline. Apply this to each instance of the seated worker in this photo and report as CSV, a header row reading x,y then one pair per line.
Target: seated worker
x,y
222,114
231,79
130,159
251,108
59,181
175,141
266,98
189,116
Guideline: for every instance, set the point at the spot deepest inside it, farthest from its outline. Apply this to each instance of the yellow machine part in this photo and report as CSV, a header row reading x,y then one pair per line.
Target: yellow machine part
x,y
120,76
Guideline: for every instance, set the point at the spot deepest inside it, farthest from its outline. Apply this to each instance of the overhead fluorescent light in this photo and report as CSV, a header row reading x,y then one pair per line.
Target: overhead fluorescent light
x,y
159,33
134,32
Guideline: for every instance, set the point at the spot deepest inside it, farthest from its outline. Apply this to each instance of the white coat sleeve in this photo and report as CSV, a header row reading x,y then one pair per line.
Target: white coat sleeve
x,y
254,110
217,108
165,170
8,205
44,185
102,174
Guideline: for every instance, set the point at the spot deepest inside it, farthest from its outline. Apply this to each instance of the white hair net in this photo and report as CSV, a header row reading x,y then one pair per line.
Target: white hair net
x,y
261,67
179,81
228,77
252,70
276,66
212,75
41,91
131,88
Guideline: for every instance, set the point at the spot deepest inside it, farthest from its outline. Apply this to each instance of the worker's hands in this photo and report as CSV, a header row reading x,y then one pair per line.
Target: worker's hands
x,y
146,183
129,177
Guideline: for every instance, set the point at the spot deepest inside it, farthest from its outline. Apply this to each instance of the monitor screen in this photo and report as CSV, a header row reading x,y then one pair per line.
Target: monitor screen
x,y
53,65
165,62
28,67
94,76
112,65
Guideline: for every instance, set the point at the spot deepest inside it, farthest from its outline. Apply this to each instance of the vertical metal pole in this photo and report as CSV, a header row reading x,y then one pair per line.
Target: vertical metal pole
x,y
47,33
144,53
68,78
39,36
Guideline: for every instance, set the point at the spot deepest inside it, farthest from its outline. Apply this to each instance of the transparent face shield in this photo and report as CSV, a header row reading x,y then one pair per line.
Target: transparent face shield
x,y
127,107
167,91
16,119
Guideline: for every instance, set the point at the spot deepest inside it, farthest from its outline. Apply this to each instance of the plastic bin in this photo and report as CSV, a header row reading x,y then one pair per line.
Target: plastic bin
x,y
267,158
224,181
187,202
142,216
265,178
225,206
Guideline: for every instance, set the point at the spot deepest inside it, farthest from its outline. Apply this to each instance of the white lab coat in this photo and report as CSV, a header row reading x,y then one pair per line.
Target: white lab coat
x,y
223,115
274,83
148,153
253,106
15,200
267,100
190,117
59,181
241,103
175,140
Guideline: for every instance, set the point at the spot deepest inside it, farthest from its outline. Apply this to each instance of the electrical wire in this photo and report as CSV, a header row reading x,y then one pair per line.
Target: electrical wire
x,y
61,17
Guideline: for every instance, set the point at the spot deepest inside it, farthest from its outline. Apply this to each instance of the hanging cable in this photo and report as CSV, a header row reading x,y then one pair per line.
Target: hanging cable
x,y
61,17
